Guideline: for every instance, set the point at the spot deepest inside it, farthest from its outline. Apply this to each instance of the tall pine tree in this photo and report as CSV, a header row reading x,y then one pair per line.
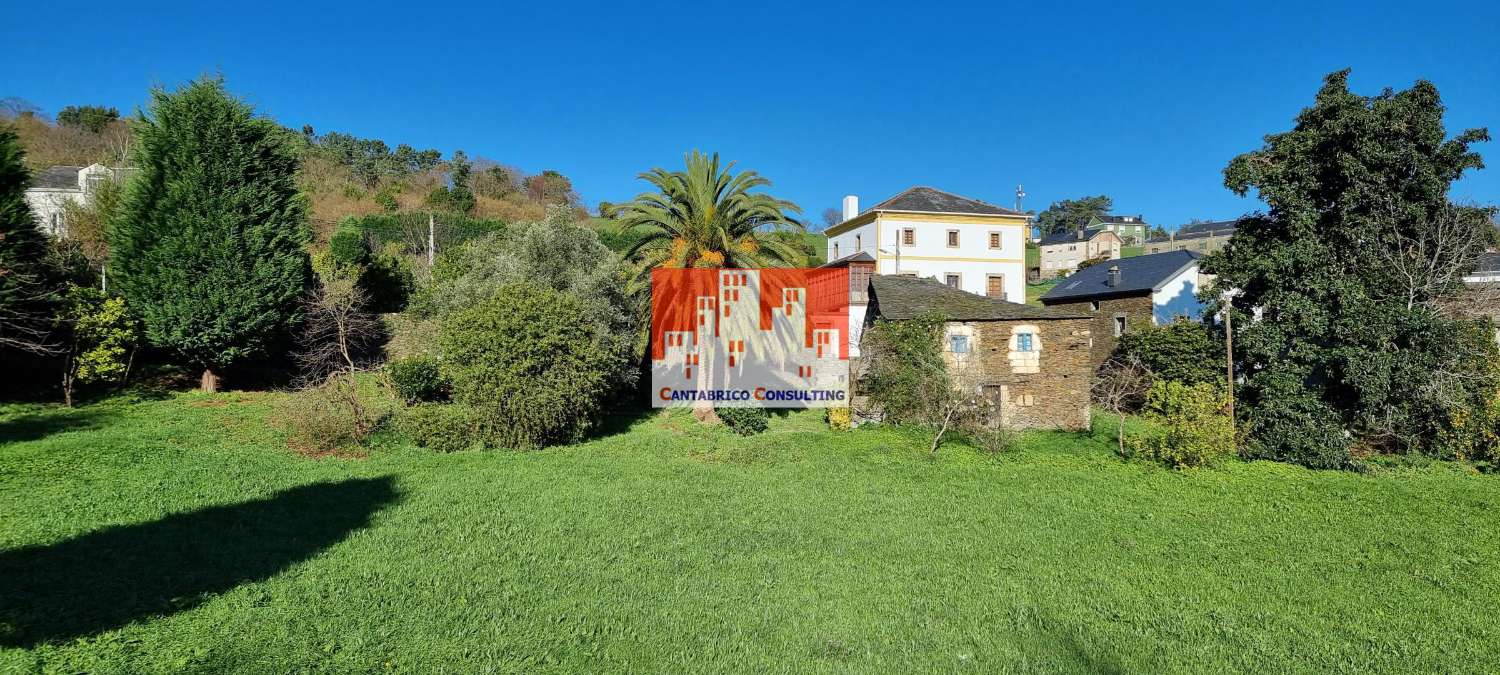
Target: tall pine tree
x,y
207,244
29,284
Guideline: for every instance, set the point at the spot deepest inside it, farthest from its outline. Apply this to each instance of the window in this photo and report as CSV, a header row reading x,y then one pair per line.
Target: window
x,y
952,238
1073,247
995,240
994,286
1119,325
958,344
836,250
1023,342
859,244
1094,305
952,280
908,237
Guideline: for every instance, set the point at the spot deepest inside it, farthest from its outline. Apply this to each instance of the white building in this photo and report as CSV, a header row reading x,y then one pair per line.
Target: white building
x,y
51,190
924,232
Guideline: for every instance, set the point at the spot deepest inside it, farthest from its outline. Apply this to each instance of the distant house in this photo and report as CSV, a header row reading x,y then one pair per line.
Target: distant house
x,y
1131,229
1487,271
1132,293
1032,362
861,267
1060,254
52,189
1201,237
925,232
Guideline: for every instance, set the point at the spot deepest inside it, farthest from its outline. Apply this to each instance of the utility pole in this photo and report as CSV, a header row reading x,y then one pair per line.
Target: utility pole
x,y
431,240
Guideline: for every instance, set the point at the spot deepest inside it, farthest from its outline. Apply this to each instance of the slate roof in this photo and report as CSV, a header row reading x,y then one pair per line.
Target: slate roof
x,y
1489,263
57,178
1121,220
904,297
1066,237
924,199
858,256
1217,228
1138,276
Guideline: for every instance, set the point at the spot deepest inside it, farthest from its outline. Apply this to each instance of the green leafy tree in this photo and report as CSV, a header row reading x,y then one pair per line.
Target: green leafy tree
x,y
1182,351
93,118
103,339
551,188
1350,267
29,281
207,244
460,196
709,216
1071,214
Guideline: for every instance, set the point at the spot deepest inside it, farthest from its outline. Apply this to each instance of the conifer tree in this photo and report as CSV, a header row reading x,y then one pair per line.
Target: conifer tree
x,y
207,244
29,285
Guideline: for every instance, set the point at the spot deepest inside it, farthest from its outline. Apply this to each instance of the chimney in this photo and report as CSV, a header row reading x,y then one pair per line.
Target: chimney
x,y
1114,276
851,207
1080,234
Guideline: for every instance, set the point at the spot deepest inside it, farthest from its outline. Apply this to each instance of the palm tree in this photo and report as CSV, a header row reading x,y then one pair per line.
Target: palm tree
x,y
706,216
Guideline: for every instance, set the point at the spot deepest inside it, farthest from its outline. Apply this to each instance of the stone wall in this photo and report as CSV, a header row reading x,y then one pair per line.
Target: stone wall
x,y
1137,311
1047,388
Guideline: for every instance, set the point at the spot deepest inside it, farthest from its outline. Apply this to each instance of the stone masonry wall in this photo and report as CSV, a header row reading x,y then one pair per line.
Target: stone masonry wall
x,y
1045,389
1137,311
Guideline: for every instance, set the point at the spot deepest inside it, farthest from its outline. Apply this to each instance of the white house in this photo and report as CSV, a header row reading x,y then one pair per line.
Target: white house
x,y
925,232
53,188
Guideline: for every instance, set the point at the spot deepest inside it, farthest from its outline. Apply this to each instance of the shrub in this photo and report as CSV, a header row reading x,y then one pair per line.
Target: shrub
x,y
328,418
444,427
347,245
417,379
532,363
1192,426
744,421
839,419
1185,351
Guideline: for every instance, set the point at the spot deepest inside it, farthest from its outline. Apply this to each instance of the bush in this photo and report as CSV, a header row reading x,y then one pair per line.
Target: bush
x,y
417,379
1287,422
347,246
532,363
1186,351
1192,425
839,419
327,419
444,427
744,421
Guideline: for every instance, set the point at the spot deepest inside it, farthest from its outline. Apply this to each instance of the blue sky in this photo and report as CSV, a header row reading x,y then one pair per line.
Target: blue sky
x,y
1146,104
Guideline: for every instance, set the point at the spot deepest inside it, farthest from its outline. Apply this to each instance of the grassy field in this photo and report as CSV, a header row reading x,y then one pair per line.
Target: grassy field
x,y
178,535
1034,292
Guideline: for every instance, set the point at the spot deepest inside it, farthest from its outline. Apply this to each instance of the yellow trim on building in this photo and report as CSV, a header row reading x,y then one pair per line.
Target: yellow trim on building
x,y
988,219
932,258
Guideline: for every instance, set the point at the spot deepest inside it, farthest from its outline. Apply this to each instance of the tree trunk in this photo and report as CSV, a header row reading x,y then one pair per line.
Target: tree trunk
x,y
209,382
1120,434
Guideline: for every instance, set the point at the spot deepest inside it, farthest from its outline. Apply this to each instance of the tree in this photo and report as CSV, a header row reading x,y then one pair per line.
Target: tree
x,y
551,188
1350,269
831,217
460,196
93,118
207,243
608,210
1072,214
911,381
1182,351
1120,388
1156,232
88,222
102,339
29,283
708,216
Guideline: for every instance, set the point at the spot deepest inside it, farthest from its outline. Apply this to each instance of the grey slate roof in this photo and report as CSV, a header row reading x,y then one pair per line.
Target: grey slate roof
x,y
858,256
1121,220
1138,276
1066,237
1217,228
57,178
1489,263
903,297
932,200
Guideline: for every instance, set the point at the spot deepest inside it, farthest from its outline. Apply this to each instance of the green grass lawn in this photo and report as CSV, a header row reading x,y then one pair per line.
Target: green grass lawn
x,y
178,535
1034,292
1132,251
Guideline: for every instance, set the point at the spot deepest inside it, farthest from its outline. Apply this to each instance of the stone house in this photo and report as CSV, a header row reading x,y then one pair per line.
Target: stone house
x,y
1132,293
1032,362
1059,254
1204,238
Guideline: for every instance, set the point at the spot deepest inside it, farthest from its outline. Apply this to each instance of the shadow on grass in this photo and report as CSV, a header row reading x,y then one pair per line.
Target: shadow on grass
x,y
42,422
109,578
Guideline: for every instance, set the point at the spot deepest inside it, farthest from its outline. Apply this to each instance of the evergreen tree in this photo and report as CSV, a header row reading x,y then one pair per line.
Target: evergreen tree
x,y
207,244
29,285
1350,269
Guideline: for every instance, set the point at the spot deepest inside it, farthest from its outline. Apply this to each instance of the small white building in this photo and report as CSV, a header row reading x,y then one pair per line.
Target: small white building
x,y
51,190
925,232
